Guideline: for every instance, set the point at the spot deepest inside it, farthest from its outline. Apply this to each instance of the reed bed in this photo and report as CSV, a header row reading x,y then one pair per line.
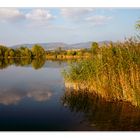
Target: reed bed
x,y
113,73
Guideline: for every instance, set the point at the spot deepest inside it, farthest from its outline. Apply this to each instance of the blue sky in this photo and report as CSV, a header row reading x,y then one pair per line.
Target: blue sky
x,y
69,25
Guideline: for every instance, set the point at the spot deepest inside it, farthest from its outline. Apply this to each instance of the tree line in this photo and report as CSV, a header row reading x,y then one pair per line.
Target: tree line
x,y
38,51
22,52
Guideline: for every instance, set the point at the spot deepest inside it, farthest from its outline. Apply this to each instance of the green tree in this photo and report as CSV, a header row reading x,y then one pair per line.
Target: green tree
x,y
38,51
11,53
0,52
28,52
3,50
6,54
23,51
94,48
17,52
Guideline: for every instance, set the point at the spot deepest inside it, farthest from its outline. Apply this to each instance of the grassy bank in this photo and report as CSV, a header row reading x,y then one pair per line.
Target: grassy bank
x,y
68,57
113,72
68,54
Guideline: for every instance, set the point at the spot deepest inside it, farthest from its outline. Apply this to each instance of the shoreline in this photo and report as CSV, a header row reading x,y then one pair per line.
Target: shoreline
x,y
101,92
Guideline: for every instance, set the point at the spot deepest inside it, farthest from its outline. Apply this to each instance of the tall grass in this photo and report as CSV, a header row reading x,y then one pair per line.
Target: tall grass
x,y
113,73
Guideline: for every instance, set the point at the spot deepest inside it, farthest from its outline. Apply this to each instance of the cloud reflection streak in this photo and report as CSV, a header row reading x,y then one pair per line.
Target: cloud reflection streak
x,y
9,96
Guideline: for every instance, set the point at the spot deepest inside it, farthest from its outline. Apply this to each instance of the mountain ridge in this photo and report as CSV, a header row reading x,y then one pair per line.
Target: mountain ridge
x,y
54,45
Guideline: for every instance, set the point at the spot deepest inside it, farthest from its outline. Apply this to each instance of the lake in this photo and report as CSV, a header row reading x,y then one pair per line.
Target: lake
x,y
34,97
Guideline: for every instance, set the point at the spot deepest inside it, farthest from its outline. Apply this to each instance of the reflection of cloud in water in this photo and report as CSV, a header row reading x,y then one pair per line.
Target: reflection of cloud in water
x,y
39,92
8,96
39,95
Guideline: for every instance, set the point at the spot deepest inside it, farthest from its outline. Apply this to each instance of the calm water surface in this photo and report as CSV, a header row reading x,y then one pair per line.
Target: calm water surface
x,y
36,99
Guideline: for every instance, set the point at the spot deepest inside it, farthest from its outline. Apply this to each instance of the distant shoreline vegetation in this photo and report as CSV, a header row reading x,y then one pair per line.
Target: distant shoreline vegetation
x,y
38,51
22,52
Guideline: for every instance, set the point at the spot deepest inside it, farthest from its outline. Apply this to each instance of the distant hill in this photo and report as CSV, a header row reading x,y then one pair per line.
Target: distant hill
x,y
48,46
54,45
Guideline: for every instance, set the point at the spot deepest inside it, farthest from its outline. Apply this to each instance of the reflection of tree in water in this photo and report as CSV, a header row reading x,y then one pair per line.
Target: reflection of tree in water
x,y
36,63
101,114
4,63
23,61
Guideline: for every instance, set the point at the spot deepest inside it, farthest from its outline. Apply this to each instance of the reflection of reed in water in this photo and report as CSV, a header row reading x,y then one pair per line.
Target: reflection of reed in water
x,y
101,114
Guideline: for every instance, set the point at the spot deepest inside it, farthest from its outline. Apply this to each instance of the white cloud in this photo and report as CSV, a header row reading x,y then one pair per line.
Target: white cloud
x,y
10,14
75,13
36,15
39,15
84,15
98,19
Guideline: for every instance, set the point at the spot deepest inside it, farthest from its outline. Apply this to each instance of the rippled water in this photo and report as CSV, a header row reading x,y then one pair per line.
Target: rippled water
x,y
36,99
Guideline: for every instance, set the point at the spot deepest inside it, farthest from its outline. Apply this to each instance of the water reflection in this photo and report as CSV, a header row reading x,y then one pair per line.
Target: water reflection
x,y
34,95
9,96
18,84
36,63
101,114
39,94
